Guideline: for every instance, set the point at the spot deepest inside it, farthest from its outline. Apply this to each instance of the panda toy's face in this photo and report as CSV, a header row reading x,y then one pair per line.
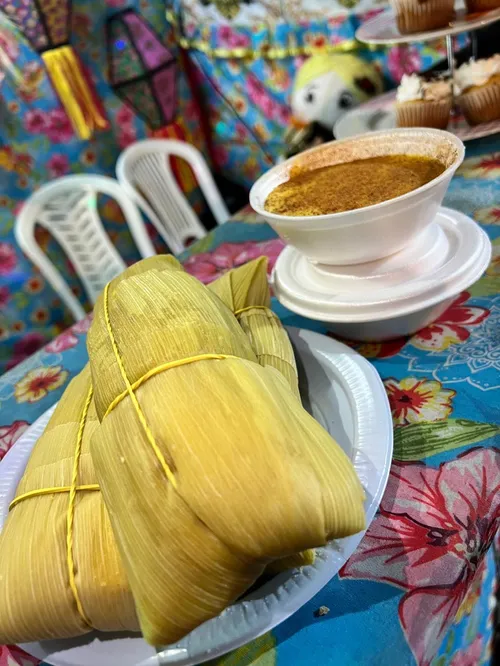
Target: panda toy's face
x,y
323,100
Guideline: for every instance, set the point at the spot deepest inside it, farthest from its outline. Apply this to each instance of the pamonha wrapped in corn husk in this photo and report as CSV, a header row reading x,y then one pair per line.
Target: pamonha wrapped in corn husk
x,y
36,598
208,464
41,604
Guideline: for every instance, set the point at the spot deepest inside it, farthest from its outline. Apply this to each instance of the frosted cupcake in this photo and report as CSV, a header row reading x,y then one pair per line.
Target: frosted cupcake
x,y
421,103
422,15
477,87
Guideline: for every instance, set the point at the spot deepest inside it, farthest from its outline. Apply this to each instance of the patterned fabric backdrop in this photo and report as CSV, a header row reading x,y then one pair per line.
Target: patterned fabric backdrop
x,y
38,143
246,55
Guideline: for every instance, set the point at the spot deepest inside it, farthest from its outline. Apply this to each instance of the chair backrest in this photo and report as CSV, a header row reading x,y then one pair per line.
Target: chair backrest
x,y
67,207
144,170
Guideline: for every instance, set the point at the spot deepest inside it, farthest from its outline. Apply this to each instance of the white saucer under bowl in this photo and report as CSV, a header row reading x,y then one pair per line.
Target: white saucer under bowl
x,y
393,296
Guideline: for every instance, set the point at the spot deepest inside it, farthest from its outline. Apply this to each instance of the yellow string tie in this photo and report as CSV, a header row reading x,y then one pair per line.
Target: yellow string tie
x,y
162,368
51,491
168,472
70,516
175,364
71,512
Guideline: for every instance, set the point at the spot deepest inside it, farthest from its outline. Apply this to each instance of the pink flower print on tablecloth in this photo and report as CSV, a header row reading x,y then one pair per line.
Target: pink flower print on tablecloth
x,y
10,48
403,60
124,115
11,655
8,258
64,341
58,165
25,347
232,38
260,97
127,133
54,124
433,528
210,265
471,656
35,121
220,155
451,327
4,296
59,129
10,434
81,327
9,44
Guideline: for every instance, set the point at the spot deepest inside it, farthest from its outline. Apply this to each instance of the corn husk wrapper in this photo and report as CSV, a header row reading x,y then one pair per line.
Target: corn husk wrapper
x,y
240,289
36,601
253,477
247,286
33,559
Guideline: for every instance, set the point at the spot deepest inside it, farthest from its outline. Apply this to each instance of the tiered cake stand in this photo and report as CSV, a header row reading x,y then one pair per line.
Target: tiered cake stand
x,y
379,113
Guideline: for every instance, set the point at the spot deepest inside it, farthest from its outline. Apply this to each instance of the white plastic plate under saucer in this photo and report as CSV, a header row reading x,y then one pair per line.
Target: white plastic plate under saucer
x,y
379,114
383,29
345,394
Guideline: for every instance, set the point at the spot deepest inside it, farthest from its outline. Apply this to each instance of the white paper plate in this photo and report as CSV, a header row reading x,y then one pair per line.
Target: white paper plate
x,y
346,395
383,28
379,114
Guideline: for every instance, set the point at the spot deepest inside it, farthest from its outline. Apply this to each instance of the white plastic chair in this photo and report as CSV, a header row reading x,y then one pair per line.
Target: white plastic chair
x,y
67,207
143,169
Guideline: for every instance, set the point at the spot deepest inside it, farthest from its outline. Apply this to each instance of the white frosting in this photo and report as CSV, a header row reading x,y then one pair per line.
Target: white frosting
x,y
414,88
410,89
476,73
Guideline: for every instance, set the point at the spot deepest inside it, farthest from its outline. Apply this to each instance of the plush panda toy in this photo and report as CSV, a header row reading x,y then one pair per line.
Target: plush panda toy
x,y
327,86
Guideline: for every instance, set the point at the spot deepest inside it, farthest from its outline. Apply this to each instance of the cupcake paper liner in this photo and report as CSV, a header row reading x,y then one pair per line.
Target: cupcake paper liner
x,y
481,105
420,15
424,114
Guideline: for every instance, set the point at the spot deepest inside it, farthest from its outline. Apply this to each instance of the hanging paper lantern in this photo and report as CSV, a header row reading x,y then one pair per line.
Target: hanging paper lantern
x,y
142,71
46,24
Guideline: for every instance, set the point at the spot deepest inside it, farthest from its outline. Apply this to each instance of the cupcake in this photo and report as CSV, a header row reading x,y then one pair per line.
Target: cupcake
x,y
474,6
421,103
477,87
422,15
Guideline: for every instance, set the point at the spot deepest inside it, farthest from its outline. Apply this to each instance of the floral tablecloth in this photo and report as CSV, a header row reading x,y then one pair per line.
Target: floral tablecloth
x,y
420,588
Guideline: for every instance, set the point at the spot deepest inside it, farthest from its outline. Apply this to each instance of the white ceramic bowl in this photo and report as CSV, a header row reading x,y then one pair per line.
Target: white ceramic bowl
x,y
373,232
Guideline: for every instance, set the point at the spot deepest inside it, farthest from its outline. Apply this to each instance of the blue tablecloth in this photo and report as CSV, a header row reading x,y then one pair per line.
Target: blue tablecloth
x,y
420,588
